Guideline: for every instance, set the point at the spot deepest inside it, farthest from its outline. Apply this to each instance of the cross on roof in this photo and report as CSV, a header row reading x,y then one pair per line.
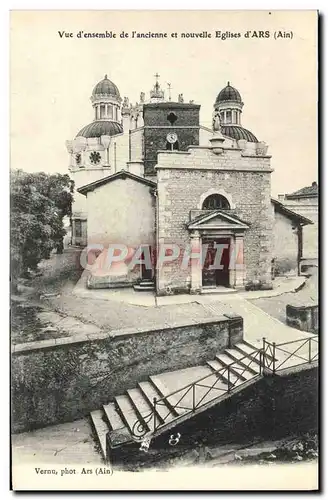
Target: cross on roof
x,y
169,88
156,76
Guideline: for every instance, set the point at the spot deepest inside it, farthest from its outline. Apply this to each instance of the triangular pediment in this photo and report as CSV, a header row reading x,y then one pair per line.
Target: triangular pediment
x,y
217,219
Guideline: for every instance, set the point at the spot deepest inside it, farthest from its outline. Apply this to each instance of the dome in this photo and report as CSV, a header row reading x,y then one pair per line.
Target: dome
x,y
99,128
228,94
106,87
237,132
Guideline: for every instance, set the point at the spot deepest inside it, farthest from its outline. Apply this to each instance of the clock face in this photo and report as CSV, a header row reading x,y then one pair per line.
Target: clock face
x,y
95,157
171,137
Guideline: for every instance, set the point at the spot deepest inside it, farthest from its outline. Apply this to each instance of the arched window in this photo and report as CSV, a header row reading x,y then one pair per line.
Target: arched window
x,y
215,202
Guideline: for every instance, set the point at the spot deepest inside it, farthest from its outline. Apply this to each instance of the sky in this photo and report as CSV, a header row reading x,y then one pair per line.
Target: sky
x,y
52,78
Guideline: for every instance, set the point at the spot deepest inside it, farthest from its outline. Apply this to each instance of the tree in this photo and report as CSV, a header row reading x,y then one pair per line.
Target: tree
x,y
38,204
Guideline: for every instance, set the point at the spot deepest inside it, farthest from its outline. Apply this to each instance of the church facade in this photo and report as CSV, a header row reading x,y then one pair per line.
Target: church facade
x,y
166,203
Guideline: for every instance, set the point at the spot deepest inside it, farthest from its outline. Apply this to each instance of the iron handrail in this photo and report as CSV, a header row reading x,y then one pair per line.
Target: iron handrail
x,y
272,347
267,358
224,368
191,386
314,337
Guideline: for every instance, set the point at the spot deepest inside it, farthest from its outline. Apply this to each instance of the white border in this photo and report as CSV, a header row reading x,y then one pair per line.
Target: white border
x,y
4,200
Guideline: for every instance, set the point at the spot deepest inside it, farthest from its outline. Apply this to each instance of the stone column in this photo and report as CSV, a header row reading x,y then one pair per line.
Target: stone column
x,y
240,269
196,262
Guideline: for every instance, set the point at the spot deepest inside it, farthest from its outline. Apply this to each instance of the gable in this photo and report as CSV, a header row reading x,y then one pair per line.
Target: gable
x,y
122,175
289,214
217,219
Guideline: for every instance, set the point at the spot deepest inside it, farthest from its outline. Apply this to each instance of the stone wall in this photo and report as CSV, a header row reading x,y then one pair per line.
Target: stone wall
x,y
64,379
122,212
184,178
308,207
303,316
119,152
155,114
136,145
155,140
157,127
285,245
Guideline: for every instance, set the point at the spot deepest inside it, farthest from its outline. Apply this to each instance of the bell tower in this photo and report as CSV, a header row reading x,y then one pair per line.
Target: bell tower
x,y
228,107
169,125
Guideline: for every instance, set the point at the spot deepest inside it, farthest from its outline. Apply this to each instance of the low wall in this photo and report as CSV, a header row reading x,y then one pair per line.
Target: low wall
x,y
303,317
64,379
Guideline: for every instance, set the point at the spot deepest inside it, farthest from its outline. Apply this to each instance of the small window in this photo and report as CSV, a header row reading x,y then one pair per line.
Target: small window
x,y
172,118
110,111
215,202
172,147
102,111
228,117
78,228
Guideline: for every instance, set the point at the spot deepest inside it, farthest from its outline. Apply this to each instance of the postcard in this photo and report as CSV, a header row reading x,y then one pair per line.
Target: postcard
x,y
164,250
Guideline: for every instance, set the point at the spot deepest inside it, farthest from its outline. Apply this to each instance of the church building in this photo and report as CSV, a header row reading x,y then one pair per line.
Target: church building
x,y
194,204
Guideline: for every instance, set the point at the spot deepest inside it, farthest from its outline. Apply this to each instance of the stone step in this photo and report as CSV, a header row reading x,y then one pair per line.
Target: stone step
x,y
100,428
113,417
140,288
143,409
164,411
127,412
246,349
216,365
249,345
146,282
172,401
238,357
206,388
247,352
225,360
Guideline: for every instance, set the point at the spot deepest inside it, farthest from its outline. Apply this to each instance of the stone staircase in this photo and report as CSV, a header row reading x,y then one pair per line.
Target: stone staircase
x,y
144,285
132,412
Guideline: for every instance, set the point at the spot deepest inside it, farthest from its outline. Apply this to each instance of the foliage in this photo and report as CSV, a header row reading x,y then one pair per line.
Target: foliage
x,y
38,204
284,266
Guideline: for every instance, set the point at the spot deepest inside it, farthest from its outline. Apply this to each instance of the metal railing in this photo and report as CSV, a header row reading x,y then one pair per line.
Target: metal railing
x,y
193,396
289,354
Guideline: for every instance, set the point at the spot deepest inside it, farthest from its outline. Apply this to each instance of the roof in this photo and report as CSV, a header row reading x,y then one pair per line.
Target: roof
x,y
101,127
105,86
228,94
306,192
122,174
237,132
281,208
